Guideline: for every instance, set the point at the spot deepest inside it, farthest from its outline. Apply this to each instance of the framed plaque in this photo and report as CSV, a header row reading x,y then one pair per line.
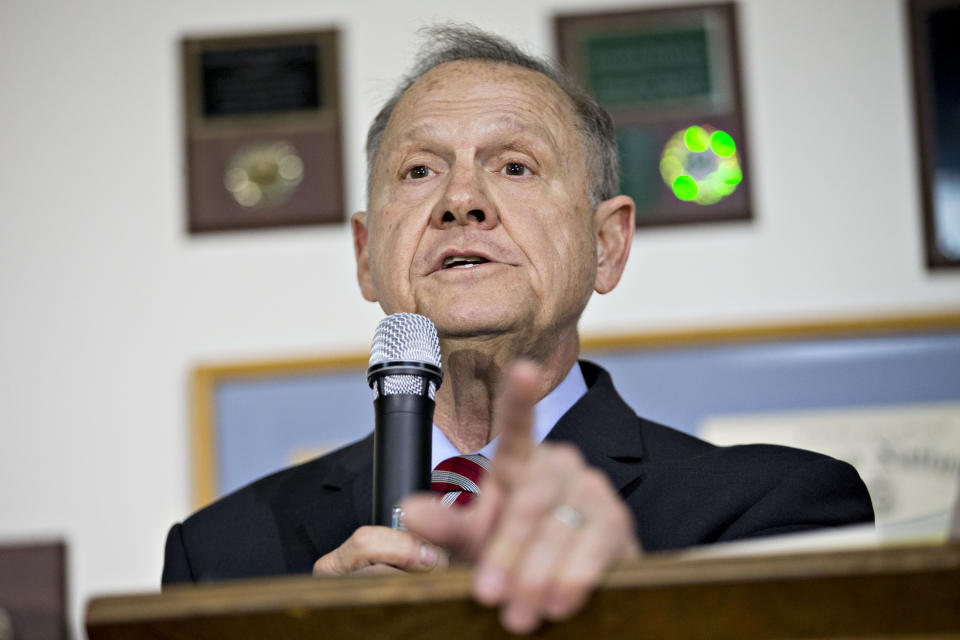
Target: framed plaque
x,y
670,80
262,130
935,31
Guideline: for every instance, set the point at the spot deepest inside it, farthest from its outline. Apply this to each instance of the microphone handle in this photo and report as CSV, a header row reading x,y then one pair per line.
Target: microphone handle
x,y
401,452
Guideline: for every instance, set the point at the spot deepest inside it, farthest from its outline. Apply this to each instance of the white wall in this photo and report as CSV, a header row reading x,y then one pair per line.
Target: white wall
x,y
107,303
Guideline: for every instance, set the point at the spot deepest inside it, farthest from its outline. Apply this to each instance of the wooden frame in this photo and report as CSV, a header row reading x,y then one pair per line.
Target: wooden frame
x,y
263,130
935,137
654,103
33,590
206,378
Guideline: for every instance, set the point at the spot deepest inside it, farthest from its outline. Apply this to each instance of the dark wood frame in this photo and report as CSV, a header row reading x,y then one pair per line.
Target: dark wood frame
x,y
33,589
570,28
918,11
315,133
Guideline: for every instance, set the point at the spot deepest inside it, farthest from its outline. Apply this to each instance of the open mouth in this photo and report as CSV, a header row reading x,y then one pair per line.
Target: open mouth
x,y
463,262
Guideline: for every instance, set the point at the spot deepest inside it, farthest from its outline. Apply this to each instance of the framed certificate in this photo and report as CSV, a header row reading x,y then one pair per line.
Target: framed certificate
x,y
263,131
670,80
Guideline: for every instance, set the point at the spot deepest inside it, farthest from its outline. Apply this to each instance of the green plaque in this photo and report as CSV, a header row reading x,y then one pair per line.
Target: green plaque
x,y
638,165
648,67
669,78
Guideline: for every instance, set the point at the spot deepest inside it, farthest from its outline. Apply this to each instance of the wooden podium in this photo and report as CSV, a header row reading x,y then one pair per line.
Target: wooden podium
x,y
905,592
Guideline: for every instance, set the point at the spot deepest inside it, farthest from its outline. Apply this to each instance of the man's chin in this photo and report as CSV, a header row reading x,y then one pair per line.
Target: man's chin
x,y
470,331
466,324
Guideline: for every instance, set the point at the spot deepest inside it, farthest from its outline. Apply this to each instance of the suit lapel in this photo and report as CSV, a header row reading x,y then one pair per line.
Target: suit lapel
x,y
604,428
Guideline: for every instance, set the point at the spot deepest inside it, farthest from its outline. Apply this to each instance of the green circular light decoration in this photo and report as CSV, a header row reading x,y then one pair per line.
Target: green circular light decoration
x,y
696,139
700,164
722,144
731,175
685,188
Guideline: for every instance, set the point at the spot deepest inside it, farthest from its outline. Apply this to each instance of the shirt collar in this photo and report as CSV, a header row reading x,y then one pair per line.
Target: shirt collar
x,y
546,414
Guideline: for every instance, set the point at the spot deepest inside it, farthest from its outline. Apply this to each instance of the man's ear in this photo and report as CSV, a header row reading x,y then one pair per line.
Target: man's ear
x,y
614,228
361,251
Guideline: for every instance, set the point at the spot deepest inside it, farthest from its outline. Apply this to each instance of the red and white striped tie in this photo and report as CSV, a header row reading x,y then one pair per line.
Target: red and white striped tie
x,y
458,478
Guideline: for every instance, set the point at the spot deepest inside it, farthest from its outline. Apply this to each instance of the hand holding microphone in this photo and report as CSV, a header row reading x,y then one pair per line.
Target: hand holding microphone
x,y
404,374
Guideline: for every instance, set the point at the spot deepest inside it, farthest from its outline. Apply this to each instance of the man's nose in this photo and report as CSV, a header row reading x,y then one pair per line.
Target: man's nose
x,y
466,201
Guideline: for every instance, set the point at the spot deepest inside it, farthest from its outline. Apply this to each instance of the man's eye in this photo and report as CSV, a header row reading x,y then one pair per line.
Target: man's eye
x,y
515,169
418,172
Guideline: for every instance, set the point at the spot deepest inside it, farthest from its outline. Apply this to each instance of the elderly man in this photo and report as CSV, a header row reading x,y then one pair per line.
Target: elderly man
x,y
493,211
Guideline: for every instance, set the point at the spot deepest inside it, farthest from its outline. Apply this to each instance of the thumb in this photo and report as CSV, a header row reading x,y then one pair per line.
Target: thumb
x,y
463,531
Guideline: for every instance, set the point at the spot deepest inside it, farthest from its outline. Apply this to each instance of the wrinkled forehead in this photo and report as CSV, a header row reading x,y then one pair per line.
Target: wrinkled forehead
x,y
451,74
530,98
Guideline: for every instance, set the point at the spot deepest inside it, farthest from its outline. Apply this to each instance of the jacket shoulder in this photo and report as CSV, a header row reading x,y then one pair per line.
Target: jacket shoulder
x,y
684,491
244,533
728,493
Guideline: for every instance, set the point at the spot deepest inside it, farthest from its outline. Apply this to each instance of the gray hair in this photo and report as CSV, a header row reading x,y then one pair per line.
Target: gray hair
x,y
448,43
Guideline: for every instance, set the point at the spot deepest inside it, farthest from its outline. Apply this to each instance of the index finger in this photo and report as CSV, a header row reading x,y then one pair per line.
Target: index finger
x,y
513,419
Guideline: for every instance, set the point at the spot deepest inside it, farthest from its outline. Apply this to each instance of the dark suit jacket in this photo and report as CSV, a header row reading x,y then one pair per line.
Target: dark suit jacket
x,y
682,491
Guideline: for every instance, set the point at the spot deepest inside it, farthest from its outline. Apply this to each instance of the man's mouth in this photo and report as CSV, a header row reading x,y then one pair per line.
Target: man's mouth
x,y
462,262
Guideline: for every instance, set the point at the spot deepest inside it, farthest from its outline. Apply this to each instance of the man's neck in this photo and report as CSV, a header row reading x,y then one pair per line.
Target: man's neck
x,y
472,371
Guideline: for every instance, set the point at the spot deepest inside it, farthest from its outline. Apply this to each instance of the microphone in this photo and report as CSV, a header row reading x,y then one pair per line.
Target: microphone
x,y
404,374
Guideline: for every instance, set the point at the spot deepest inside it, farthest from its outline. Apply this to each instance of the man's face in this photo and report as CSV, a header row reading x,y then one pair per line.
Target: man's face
x,y
479,213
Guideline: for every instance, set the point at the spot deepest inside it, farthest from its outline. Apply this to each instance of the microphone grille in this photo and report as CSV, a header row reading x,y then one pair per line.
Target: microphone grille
x,y
405,336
